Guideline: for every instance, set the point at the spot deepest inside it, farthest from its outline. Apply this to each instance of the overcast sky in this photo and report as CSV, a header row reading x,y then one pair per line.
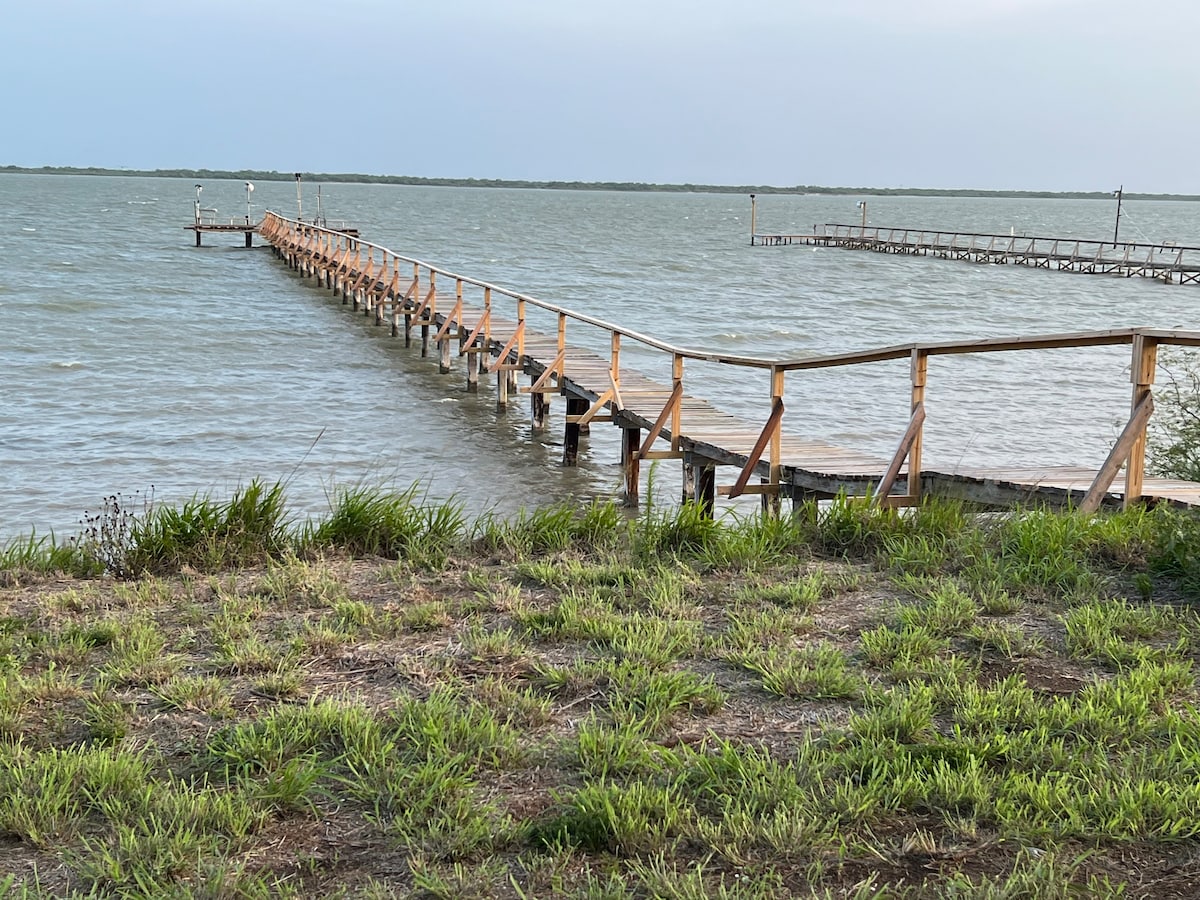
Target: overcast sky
x,y
1000,94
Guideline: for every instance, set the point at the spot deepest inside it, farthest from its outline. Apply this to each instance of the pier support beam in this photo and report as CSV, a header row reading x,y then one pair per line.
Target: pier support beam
x,y
576,407
501,390
632,463
706,487
539,410
472,364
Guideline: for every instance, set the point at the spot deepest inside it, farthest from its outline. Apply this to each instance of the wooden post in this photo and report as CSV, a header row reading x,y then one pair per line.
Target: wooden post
x,y
1142,367
539,407
576,406
416,293
919,371
677,413
771,500
428,314
689,480
521,333
444,343
501,390
331,277
631,460
473,368
706,486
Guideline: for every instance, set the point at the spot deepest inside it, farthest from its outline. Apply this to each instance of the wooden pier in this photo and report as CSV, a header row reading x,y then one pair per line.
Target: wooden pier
x,y
247,228
1167,262
495,331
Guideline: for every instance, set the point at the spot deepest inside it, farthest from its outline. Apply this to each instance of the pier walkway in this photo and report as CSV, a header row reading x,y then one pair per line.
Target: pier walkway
x,y
500,332
1167,262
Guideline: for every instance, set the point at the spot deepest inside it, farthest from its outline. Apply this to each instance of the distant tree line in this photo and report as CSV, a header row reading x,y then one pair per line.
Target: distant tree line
x,y
345,178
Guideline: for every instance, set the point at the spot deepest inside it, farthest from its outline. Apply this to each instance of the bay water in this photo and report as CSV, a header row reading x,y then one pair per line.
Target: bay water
x,y
134,361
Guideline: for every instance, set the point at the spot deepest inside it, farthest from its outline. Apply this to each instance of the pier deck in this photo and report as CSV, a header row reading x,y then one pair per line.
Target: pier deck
x,y
492,329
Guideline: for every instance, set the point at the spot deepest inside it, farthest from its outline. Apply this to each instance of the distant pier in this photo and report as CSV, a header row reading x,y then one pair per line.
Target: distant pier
x,y
1167,261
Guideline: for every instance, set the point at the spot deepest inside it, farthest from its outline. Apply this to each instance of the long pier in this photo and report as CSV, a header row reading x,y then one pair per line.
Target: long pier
x,y
494,331
1168,262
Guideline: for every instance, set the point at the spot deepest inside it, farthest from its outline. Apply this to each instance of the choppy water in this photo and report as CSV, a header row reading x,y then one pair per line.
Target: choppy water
x,y
132,358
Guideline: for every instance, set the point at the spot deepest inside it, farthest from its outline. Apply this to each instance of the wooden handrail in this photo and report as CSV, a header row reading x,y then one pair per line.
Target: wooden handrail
x,y
986,345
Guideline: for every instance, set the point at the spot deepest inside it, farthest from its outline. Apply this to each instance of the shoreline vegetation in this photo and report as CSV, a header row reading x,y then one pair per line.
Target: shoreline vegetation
x,y
346,178
209,700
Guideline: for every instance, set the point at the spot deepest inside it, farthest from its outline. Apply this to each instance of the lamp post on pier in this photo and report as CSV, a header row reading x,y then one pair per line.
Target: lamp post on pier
x,y
249,191
1116,228
199,188
862,204
299,207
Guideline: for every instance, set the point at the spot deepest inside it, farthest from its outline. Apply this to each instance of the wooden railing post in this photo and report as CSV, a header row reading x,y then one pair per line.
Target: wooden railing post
x,y
477,364
919,374
339,257
396,301
429,312
677,414
1142,367
512,373
416,297
380,291
614,372
770,500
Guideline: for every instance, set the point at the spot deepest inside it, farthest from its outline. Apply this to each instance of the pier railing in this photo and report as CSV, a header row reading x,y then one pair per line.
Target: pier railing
x,y
492,326
1167,261
1052,247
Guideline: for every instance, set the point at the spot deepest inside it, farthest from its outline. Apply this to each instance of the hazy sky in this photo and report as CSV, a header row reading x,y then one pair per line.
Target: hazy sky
x,y
1020,94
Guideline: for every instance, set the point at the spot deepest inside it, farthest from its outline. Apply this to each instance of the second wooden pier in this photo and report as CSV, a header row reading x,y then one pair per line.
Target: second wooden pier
x,y
1168,262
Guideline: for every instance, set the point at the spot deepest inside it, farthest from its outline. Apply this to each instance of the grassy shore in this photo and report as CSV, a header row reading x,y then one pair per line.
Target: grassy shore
x,y
206,701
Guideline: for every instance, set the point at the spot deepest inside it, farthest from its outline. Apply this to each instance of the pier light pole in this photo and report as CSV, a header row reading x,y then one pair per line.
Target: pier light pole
x,y
299,208
753,216
1117,193
199,188
862,204
249,191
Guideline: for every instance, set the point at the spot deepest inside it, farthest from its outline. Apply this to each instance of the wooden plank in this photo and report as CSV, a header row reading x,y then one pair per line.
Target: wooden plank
x,y
764,438
906,442
1134,429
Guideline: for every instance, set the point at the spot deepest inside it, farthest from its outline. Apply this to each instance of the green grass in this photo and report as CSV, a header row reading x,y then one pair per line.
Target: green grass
x,y
391,701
